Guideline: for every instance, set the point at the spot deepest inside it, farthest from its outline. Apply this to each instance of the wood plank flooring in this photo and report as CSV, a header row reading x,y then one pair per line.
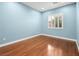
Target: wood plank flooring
x,y
41,46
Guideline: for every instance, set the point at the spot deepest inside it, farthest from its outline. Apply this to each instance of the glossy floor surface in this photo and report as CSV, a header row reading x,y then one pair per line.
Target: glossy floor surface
x,y
41,46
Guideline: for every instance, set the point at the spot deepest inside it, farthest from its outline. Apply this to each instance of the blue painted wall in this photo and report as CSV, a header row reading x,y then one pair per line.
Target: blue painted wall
x,y
77,21
18,21
69,30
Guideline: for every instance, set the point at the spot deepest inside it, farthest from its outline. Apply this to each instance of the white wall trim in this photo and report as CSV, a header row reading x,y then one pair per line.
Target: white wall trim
x,y
19,40
59,37
38,35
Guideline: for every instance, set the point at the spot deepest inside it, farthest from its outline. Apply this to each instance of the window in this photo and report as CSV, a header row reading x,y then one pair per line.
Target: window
x,y
55,21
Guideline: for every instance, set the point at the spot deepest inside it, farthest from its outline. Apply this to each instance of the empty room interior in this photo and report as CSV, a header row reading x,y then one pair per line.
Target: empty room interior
x,y
39,28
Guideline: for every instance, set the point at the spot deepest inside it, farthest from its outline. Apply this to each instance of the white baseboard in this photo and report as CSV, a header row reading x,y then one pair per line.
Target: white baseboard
x,y
59,37
78,44
19,40
38,35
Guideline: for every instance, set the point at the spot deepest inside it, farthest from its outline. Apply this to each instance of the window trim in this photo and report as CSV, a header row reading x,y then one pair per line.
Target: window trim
x,y
49,18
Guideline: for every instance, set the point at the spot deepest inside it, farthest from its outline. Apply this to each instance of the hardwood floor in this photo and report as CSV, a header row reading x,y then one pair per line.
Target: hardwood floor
x,y
41,46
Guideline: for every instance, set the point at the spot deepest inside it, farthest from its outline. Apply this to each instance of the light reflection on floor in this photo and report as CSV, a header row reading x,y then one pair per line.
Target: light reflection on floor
x,y
53,51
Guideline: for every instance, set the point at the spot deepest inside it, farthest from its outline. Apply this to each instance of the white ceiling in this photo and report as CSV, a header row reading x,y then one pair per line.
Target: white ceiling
x,y
44,6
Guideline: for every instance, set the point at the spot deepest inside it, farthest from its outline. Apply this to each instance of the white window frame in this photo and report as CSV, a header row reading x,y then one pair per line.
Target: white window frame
x,y
53,26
